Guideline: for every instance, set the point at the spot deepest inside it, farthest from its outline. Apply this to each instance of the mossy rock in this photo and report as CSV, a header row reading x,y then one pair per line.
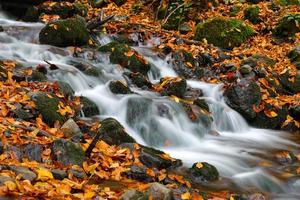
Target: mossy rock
x,y
252,14
98,3
37,76
63,9
294,56
47,105
63,33
89,108
32,14
67,152
224,33
291,86
119,2
288,26
288,2
117,87
203,171
177,87
202,104
123,55
139,79
22,114
233,11
66,89
124,39
113,133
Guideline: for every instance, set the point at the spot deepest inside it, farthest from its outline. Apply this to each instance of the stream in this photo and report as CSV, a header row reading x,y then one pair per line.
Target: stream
x,y
239,151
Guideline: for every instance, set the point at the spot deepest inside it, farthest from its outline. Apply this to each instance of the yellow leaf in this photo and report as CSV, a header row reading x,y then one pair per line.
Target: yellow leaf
x,y
231,198
270,113
189,64
44,174
199,165
186,196
10,185
89,195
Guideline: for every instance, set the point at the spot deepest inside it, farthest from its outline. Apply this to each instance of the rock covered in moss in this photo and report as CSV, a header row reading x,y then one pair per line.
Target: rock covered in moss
x,y
224,33
37,76
67,152
47,105
123,55
89,108
113,133
203,171
66,89
252,14
63,33
139,79
294,56
288,2
242,96
117,87
174,86
292,84
288,26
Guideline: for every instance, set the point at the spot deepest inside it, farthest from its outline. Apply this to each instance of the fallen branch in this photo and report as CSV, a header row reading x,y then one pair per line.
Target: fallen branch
x,y
93,144
99,22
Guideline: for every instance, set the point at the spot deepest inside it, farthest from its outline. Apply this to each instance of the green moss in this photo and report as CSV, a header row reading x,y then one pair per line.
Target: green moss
x,y
47,105
89,108
117,87
288,26
252,14
288,2
38,76
224,33
131,61
65,33
234,11
204,172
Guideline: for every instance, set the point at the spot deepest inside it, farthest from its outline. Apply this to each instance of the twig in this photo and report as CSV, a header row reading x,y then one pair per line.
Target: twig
x,y
93,144
166,19
40,132
99,22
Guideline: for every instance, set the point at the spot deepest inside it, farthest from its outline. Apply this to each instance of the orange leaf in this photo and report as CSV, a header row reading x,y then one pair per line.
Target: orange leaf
x,y
270,113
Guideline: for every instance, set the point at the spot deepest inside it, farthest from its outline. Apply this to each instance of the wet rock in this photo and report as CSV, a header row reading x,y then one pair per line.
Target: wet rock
x,y
23,114
291,86
123,55
252,14
175,86
89,108
59,174
63,33
1,29
159,192
24,172
47,105
285,157
186,65
37,76
32,14
71,129
117,87
134,195
67,152
245,69
294,56
138,173
202,104
224,33
66,89
137,109
124,39
77,173
139,79
287,26
86,68
242,96
203,171
113,133
33,152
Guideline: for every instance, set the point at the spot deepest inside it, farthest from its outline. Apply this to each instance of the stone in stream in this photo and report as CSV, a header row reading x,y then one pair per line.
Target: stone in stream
x,y
134,195
89,108
128,58
159,192
242,96
67,152
174,86
86,68
294,56
37,76
139,79
63,33
117,87
47,105
203,171
66,89
288,26
224,33
113,133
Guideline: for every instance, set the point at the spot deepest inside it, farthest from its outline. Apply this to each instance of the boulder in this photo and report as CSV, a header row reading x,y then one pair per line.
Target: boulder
x,y
251,13
71,129
294,56
174,86
293,85
203,171
89,108
224,33
63,33
47,105
242,96
67,152
128,58
288,26
133,195
117,87
113,133
159,192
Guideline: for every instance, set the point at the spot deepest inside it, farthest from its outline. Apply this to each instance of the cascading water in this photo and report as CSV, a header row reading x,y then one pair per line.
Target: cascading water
x,y
153,120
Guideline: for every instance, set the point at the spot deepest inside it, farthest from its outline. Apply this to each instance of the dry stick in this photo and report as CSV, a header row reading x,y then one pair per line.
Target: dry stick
x,y
41,132
165,20
93,144
99,22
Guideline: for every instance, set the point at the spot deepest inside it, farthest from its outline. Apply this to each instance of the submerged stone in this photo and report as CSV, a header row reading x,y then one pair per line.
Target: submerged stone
x,y
89,108
224,33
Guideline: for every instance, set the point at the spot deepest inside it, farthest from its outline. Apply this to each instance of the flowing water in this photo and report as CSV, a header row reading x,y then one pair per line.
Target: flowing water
x,y
239,150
